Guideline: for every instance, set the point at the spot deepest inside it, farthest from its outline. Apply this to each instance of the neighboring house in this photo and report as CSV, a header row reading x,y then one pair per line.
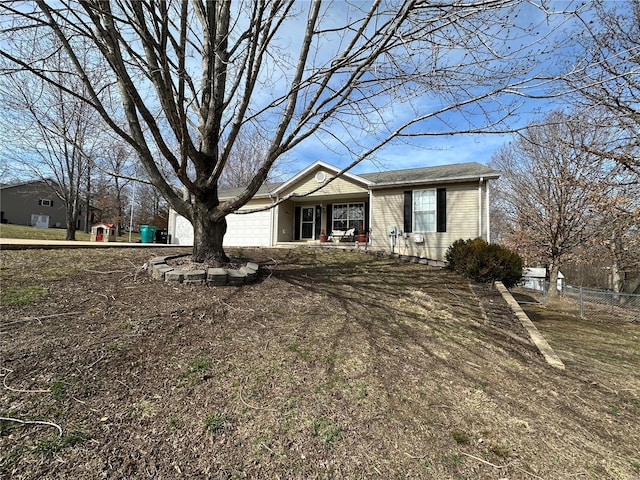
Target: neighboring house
x,y
535,278
427,209
34,204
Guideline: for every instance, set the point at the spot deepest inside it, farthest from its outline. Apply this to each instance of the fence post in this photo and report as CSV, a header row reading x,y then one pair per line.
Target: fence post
x,y
581,303
612,299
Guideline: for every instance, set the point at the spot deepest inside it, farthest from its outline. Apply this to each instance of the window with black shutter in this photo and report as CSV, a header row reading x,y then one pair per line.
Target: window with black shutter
x,y
425,210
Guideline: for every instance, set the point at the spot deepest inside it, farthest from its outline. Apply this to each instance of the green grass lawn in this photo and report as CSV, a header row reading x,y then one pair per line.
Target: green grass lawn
x,y
33,233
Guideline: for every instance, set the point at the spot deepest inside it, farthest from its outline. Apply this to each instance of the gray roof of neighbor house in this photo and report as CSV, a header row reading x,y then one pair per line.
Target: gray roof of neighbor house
x,y
439,174
27,182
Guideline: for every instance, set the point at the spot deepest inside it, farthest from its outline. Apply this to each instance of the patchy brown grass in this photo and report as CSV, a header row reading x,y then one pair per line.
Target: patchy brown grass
x,y
332,365
606,352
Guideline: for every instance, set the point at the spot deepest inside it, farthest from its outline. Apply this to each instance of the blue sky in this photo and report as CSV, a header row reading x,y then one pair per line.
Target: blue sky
x,y
447,149
421,153
415,151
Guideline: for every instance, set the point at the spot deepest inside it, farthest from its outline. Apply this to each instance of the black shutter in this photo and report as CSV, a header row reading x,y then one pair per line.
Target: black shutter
x,y
367,224
441,212
40,202
318,223
408,211
296,232
51,203
329,218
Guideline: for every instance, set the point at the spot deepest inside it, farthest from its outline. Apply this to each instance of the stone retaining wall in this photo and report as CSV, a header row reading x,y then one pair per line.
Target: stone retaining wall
x,y
536,337
161,270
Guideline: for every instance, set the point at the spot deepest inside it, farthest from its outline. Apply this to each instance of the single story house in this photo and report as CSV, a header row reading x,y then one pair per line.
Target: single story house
x,y
419,211
534,278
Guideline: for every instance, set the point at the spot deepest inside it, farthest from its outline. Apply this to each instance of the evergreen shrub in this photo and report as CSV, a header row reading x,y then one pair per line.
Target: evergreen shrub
x,y
484,262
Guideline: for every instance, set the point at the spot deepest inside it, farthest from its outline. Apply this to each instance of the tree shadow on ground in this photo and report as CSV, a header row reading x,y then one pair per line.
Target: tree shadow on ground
x,y
522,297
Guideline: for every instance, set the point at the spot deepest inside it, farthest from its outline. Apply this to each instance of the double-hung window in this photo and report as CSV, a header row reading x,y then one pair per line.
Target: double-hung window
x,y
424,210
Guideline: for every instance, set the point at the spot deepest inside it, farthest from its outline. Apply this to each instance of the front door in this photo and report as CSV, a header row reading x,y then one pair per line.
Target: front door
x,y
307,224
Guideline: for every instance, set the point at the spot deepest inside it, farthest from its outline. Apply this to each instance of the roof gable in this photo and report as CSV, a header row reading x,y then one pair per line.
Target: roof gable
x,y
300,181
319,166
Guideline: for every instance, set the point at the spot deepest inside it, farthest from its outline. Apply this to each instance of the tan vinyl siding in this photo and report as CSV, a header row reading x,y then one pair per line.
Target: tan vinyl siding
x,y
462,220
340,186
462,211
285,222
256,203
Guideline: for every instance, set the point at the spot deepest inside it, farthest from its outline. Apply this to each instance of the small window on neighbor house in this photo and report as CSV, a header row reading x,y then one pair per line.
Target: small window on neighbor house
x,y
46,203
424,210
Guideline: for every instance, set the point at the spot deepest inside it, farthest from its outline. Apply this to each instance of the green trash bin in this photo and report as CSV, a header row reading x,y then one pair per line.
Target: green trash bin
x,y
147,233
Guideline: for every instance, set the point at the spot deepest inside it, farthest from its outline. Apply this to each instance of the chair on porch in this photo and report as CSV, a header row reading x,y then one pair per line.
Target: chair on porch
x,y
342,235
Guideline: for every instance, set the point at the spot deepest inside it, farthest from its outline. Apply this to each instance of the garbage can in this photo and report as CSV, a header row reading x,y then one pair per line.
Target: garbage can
x,y
147,233
161,236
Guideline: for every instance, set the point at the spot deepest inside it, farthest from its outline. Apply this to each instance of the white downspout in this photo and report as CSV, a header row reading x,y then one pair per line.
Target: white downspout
x,y
487,207
480,207
370,194
273,241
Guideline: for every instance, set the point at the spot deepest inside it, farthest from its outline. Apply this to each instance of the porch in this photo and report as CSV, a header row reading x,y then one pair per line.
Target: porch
x,y
318,244
339,219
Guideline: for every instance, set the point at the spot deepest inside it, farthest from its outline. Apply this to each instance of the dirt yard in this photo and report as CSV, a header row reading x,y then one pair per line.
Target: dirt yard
x,y
332,365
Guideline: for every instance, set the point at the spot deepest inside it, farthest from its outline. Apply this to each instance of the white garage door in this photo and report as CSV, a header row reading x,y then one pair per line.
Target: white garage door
x,y
251,230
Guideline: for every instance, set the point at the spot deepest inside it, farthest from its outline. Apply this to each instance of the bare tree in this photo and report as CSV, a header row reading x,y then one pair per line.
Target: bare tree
x,y
53,131
618,239
606,74
194,75
111,184
552,191
151,209
246,158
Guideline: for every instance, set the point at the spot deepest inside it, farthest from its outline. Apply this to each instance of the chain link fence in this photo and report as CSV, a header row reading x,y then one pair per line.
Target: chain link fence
x,y
596,304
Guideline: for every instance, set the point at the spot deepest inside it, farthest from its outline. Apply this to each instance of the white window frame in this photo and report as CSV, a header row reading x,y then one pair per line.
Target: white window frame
x,y
432,211
45,202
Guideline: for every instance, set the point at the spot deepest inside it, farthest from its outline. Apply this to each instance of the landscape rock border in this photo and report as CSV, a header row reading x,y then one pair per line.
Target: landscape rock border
x,y
539,341
161,270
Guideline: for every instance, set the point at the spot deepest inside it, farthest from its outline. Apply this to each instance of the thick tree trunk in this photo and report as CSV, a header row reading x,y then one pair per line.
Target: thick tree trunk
x,y
87,203
553,280
616,274
208,235
71,227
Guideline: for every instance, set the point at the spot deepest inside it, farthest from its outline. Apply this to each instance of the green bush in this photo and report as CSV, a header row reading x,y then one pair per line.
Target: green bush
x,y
484,262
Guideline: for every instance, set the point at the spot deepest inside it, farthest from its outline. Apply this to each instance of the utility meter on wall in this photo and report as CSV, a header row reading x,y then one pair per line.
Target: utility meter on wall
x,y
392,231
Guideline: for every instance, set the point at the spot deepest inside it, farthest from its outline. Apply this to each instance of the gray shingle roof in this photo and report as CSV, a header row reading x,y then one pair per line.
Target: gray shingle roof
x,y
441,173
445,173
264,189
